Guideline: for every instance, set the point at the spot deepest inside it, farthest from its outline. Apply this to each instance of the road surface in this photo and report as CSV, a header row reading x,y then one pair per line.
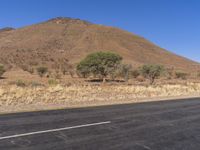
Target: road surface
x,y
167,125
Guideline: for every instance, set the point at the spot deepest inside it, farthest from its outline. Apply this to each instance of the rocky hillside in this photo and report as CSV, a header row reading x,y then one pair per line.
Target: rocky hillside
x,y
72,39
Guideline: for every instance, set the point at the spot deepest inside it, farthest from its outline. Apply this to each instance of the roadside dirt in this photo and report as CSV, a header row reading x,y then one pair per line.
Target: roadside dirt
x,y
20,99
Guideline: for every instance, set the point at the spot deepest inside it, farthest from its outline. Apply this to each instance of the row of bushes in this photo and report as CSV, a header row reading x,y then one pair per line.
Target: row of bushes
x,y
104,65
109,65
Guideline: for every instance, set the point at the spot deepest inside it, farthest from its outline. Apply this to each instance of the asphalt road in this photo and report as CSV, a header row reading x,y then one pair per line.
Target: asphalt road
x,y
169,125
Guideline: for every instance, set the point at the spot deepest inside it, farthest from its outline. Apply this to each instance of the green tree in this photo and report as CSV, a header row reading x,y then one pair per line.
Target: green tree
x,y
99,64
2,70
42,71
151,72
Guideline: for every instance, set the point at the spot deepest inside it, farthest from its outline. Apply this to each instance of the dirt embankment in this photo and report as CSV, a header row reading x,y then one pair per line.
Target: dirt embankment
x,y
14,98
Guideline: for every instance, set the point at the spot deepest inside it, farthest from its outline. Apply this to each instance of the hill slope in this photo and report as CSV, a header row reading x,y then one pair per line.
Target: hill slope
x,y
73,39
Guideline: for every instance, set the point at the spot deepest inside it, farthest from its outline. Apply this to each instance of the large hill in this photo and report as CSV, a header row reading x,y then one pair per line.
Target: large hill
x,y
72,39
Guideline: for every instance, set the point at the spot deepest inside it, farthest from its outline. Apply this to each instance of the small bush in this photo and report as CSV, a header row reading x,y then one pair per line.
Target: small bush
x,y
42,71
52,82
135,73
181,75
151,72
31,70
27,69
170,73
83,73
57,75
72,73
20,83
2,70
125,70
198,74
35,84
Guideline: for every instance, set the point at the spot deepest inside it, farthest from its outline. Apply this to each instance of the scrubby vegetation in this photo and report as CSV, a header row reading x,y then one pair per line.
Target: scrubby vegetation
x,y
42,71
27,68
107,65
52,82
18,83
63,85
2,70
198,74
125,71
152,72
135,73
181,75
100,64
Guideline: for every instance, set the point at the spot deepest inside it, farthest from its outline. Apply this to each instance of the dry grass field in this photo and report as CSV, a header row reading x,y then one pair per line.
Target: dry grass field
x,y
37,97
21,91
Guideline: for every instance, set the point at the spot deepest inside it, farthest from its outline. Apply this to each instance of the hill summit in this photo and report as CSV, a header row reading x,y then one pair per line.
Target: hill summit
x,y
72,39
6,29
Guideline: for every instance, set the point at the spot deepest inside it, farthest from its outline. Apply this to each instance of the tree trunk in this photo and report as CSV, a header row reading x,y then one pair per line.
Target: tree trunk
x,y
152,81
104,80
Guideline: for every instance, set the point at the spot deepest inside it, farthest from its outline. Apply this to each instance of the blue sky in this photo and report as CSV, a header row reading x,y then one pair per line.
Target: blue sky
x,y
171,24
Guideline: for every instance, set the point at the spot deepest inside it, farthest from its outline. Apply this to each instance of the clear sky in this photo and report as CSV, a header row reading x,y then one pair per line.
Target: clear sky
x,y
171,24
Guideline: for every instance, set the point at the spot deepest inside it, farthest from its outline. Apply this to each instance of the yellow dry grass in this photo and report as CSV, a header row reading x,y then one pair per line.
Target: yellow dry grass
x,y
11,95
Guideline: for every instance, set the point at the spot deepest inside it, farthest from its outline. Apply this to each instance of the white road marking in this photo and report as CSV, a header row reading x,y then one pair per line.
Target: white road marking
x,y
54,130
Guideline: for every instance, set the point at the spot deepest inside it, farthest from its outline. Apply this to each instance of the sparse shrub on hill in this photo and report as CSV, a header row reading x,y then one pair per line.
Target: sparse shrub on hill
x,y
31,70
27,68
2,70
20,83
52,82
72,73
42,71
67,69
33,63
35,84
99,64
170,73
181,75
57,74
63,66
198,74
151,72
114,75
135,73
82,72
125,71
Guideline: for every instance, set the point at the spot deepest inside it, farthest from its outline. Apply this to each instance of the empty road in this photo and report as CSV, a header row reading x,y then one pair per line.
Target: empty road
x,y
167,125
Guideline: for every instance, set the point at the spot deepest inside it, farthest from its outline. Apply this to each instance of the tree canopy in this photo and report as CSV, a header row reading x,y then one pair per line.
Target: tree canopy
x,y
151,72
99,64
